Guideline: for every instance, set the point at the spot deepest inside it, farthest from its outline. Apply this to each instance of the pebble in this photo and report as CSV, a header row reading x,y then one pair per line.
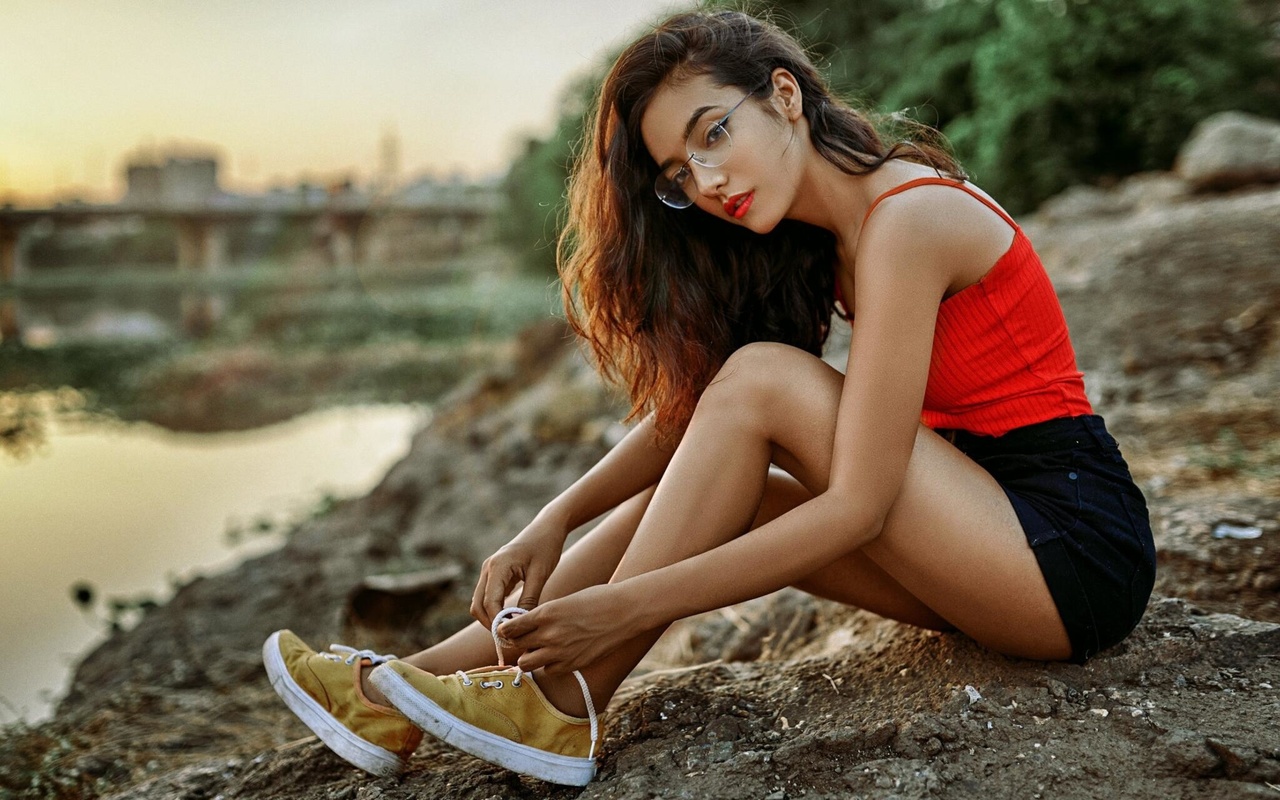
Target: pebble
x,y
1225,530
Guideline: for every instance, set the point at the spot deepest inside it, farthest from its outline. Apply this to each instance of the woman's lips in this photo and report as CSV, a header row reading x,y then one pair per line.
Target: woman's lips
x,y
737,205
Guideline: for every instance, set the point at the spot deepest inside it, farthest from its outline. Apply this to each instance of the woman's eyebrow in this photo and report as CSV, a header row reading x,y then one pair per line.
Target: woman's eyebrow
x,y
693,120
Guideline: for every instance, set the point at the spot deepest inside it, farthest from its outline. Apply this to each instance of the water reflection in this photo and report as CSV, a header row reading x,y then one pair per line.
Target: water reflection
x,y
128,510
25,418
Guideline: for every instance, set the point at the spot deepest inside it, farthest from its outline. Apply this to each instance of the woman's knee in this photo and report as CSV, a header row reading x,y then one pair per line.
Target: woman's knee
x,y
756,377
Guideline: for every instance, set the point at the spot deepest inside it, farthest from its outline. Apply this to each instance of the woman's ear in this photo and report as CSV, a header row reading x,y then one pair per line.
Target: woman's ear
x,y
787,96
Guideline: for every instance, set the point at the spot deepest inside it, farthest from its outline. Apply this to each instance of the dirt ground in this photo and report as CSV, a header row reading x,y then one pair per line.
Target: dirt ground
x,y
1175,310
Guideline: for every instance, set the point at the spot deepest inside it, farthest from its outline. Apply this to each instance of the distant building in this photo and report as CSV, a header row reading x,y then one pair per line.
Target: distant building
x,y
146,185
179,181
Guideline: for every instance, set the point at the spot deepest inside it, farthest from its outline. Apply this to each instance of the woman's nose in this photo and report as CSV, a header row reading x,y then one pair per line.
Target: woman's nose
x,y
708,179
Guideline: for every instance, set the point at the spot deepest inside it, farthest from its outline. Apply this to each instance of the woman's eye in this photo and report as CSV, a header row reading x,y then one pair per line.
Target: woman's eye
x,y
681,176
714,134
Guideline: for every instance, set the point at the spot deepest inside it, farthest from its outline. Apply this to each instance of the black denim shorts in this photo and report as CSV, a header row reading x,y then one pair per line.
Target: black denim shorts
x,y
1084,517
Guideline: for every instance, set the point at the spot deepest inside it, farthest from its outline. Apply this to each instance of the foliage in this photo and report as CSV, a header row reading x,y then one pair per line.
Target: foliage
x,y
1034,95
1092,90
535,185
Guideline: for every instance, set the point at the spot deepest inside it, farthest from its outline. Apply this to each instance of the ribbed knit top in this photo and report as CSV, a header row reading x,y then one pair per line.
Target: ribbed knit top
x,y
1002,357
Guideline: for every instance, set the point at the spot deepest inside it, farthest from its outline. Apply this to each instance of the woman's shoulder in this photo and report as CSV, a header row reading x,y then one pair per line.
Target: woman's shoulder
x,y
951,223
923,189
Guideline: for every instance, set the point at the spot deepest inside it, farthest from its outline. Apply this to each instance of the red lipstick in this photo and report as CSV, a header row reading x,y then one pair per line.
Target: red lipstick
x,y
737,205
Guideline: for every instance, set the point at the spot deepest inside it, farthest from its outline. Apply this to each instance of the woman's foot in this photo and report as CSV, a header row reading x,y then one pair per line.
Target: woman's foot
x,y
324,691
497,714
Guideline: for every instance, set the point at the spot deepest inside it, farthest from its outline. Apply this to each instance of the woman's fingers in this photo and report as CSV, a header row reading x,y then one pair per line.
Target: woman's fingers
x,y
477,597
519,626
535,659
495,593
533,583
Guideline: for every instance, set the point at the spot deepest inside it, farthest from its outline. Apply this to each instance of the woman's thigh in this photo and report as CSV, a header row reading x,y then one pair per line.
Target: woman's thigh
x,y
855,579
951,538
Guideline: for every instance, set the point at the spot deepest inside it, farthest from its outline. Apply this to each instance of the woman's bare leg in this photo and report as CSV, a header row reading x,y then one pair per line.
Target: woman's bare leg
x,y
950,539
594,558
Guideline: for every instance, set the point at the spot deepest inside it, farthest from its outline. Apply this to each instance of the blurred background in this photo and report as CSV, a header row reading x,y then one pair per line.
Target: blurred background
x,y
245,246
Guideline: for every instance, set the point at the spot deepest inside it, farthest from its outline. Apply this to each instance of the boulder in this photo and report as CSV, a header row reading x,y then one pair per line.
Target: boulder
x,y
1229,150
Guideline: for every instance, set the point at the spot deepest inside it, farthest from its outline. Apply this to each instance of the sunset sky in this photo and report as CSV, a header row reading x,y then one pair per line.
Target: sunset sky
x,y
284,90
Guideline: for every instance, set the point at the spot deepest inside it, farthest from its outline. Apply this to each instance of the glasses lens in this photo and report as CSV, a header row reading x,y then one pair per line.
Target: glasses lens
x,y
671,189
709,146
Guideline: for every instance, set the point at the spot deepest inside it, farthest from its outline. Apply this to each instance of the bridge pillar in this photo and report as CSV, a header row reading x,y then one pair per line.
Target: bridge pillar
x,y
346,240
12,268
202,250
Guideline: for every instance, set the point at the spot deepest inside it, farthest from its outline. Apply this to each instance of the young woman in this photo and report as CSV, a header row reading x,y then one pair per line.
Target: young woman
x,y
954,477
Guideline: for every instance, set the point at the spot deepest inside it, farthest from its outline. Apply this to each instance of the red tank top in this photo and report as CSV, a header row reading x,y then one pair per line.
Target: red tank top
x,y
1001,354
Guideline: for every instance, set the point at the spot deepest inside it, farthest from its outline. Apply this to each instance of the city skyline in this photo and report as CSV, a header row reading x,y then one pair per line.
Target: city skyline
x,y
286,91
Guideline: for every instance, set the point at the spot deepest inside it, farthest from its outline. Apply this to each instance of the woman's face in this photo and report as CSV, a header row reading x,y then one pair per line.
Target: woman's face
x,y
756,184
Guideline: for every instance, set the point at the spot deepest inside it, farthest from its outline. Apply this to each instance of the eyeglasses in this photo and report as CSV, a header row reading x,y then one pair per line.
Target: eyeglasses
x,y
707,147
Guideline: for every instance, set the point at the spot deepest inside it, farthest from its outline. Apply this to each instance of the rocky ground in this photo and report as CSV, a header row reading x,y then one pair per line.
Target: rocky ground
x,y
1174,303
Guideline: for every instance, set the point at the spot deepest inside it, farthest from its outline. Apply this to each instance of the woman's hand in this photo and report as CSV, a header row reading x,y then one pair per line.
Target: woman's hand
x,y
574,631
530,558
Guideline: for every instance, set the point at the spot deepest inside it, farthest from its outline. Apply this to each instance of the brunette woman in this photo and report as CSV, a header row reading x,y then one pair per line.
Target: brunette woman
x,y
954,476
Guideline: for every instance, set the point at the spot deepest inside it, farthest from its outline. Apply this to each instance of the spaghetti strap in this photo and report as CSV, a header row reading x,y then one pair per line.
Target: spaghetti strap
x,y
941,181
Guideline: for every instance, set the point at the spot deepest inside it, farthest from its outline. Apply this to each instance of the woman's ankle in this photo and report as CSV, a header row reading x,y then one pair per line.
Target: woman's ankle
x,y
563,692
371,692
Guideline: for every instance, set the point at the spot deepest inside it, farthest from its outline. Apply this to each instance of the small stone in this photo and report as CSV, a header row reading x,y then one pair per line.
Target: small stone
x,y
1102,712
1226,530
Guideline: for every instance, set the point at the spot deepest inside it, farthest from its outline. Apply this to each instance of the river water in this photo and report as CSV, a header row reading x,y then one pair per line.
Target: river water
x,y
130,510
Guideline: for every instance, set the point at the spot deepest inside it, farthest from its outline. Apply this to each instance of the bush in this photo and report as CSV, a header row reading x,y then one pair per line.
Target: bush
x,y
1034,95
1091,90
535,185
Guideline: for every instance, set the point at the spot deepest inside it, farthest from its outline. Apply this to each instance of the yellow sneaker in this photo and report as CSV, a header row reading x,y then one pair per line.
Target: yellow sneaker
x,y
498,714
323,690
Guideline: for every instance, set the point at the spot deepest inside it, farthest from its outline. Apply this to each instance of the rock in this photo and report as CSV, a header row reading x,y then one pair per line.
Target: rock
x,y
1229,150
786,695
398,601
1239,576
1135,194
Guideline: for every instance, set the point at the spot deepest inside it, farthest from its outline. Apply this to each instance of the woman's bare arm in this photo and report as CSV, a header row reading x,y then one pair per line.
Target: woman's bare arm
x,y
633,465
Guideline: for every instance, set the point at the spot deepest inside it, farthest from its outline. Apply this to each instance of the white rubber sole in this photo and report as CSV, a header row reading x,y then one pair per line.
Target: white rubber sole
x,y
363,754
426,714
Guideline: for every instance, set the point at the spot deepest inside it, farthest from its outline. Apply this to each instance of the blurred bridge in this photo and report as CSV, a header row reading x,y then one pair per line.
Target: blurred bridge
x,y
202,227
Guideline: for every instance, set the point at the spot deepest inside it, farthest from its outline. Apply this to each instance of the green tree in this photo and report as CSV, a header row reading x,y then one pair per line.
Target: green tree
x,y
1034,95
1071,91
535,184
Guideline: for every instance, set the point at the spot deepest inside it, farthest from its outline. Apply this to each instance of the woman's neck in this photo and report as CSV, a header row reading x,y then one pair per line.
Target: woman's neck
x,y
836,201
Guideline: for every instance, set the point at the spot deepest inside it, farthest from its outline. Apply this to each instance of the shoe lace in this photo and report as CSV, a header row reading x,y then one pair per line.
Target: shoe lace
x,y
498,642
349,655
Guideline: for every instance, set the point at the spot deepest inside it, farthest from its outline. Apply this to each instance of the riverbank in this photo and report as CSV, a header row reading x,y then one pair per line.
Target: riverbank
x,y
285,341
1175,306
107,519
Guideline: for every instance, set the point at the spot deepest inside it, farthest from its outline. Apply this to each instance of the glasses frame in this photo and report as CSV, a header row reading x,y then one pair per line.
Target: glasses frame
x,y
660,181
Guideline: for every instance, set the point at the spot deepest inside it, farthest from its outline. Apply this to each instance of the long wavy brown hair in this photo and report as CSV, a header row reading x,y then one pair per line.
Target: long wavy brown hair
x,y
664,296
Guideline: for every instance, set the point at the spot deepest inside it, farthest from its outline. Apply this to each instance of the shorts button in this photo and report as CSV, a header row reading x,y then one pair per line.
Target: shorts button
x,y
1072,475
